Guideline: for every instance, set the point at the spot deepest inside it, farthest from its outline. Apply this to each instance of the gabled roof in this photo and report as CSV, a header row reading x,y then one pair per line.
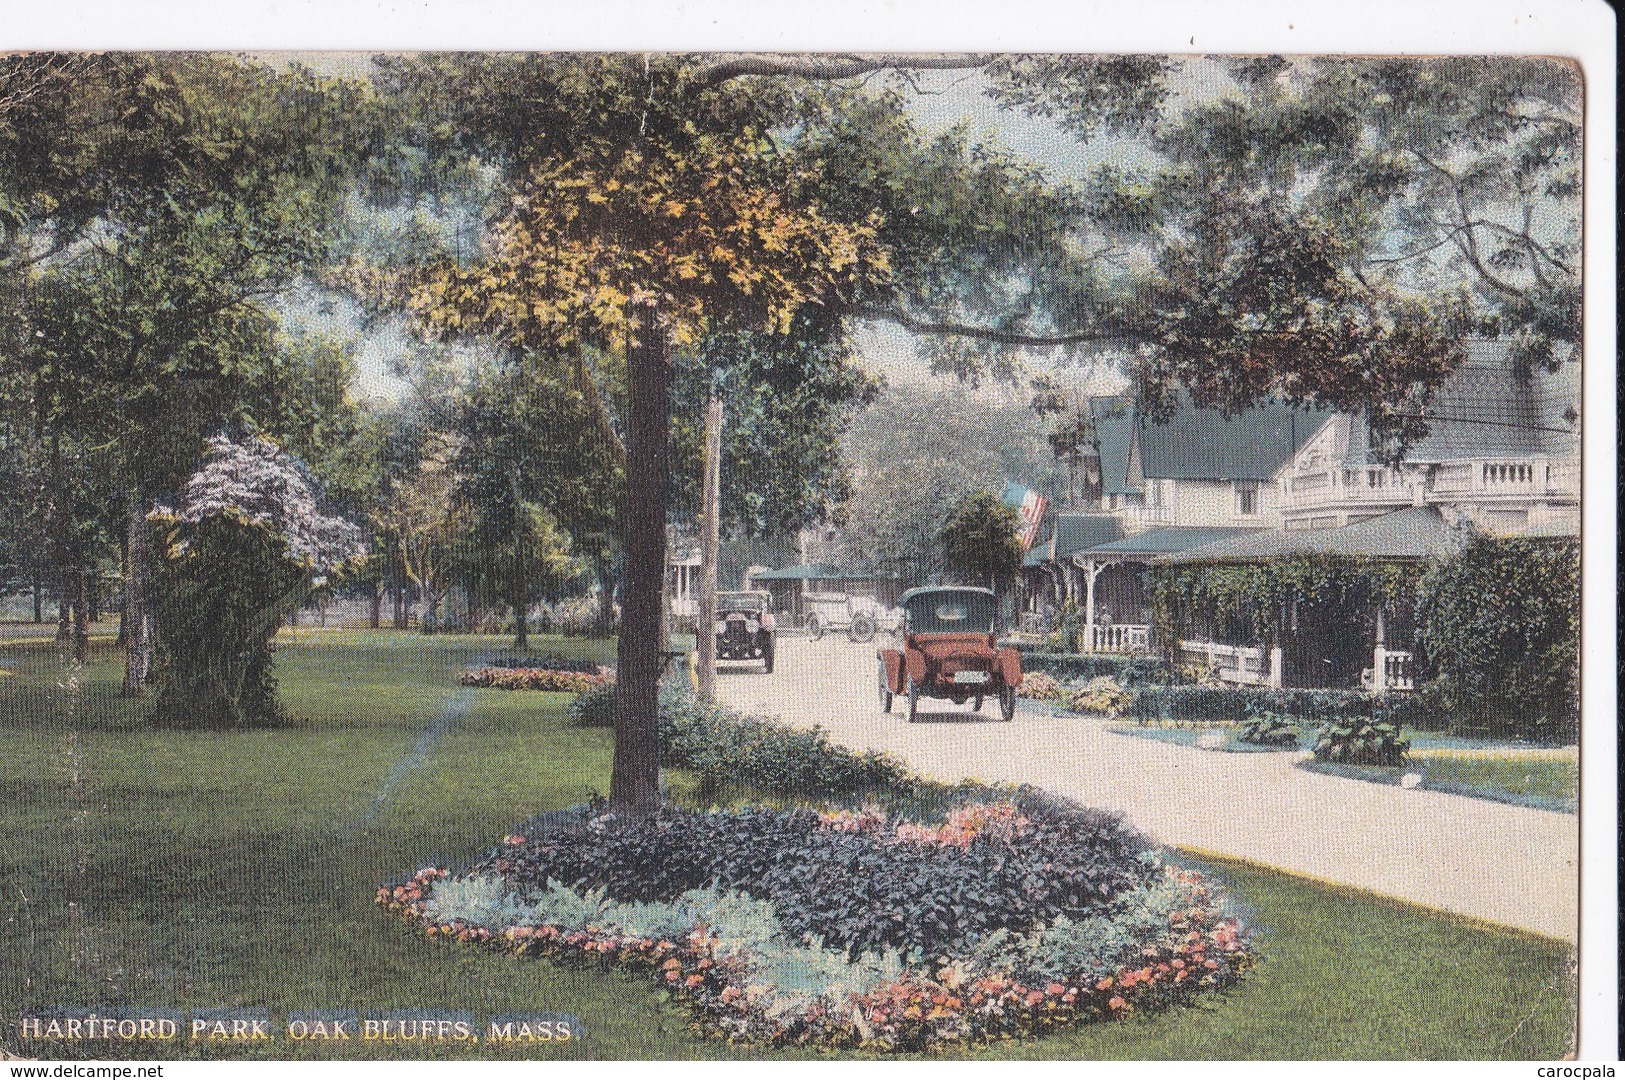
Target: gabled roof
x,y
1076,532
1484,409
1204,444
1417,532
1198,444
1113,418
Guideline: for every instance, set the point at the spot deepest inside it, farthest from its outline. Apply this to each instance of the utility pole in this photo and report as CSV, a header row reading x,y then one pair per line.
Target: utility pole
x,y
705,638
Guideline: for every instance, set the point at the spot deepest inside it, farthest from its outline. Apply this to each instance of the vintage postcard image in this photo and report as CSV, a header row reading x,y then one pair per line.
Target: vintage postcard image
x,y
750,555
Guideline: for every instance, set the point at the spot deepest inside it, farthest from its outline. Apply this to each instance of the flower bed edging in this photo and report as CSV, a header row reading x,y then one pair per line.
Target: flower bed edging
x,y
717,953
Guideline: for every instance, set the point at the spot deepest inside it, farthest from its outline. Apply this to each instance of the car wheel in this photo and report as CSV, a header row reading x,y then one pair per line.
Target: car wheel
x,y
767,658
815,627
885,690
1007,704
913,700
863,629
976,706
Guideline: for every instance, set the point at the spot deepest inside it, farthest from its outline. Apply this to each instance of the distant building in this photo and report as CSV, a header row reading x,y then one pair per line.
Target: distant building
x,y
1502,452
1502,455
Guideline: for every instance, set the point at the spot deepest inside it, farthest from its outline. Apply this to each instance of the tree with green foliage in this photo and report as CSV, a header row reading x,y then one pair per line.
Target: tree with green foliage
x,y
178,195
787,399
1329,233
647,202
1500,626
917,452
980,542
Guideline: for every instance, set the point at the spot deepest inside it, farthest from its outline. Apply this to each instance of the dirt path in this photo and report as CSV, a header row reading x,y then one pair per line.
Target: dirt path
x,y
1503,864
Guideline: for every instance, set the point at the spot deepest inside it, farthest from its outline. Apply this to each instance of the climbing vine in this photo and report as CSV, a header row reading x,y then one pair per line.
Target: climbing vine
x,y
1257,598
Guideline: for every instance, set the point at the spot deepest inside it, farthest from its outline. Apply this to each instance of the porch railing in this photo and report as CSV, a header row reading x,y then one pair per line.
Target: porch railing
x,y
1246,665
1118,638
1397,667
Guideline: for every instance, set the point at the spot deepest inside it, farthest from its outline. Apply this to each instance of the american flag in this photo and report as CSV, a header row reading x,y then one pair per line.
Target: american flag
x,y
1029,506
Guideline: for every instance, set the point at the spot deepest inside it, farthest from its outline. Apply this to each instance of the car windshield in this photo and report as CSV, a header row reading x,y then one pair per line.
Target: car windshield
x,y
740,602
951,613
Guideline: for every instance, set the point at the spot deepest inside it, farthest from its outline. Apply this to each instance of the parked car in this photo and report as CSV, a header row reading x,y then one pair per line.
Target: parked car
x,y
840,611
949,651
745,627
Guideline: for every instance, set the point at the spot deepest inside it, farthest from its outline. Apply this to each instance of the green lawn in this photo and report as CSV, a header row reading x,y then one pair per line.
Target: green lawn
x,y
194,870
1544,778
1542,783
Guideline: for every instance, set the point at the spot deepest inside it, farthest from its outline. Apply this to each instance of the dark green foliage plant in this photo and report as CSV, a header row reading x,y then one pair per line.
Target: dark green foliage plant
x,y
724,747
218,606
1500,625
594,708
979,541
1234,704
1268,728
1358,740
856,889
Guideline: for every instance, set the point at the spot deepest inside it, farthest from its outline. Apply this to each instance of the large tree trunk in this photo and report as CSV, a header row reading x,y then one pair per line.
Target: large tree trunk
x,y
137,604
375,616
705,638
634,783
39,602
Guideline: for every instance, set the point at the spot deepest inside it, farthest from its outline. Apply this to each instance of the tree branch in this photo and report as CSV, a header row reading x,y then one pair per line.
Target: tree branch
x,y
985,333
828,65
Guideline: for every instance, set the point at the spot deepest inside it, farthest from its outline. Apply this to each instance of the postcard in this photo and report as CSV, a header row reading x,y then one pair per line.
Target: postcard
x,y
563,555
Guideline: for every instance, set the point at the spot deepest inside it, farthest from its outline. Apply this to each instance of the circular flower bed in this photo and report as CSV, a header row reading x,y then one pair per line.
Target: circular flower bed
x,y
850,928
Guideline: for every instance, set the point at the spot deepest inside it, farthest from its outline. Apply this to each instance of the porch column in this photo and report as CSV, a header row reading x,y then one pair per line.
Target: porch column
x,y
1091,571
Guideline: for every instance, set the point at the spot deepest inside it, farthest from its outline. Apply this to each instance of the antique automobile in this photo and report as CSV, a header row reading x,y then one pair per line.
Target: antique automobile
x,y
827,611
949,652
745,627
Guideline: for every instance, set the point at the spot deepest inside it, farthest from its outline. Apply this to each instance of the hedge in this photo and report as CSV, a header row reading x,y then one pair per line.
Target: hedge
x,y
1216,704
1080,667
725,748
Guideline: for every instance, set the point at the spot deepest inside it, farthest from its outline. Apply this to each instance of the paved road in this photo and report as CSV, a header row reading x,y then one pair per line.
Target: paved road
x,y
1503,864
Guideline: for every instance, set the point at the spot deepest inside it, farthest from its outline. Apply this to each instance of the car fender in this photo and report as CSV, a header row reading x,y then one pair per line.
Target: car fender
x,y
893,661
1008,661
914,664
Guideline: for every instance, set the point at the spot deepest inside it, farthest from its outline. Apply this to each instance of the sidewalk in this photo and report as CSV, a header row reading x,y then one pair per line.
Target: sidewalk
x,y
1508,865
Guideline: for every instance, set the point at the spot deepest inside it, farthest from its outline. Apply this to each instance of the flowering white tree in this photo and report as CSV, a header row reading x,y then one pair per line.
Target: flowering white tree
x,y
247,544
